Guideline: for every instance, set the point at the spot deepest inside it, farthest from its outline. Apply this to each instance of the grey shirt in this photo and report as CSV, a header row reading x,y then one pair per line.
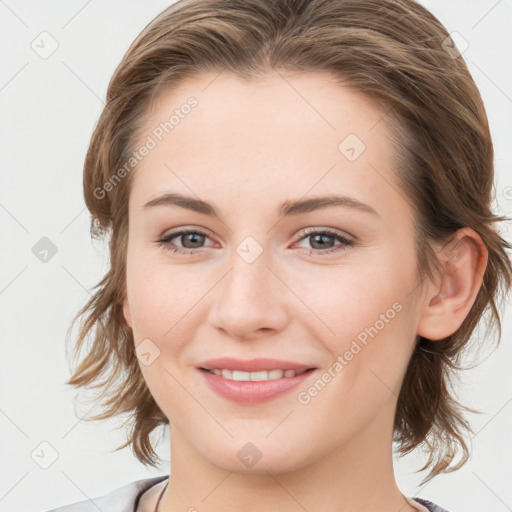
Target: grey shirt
x,y
126,499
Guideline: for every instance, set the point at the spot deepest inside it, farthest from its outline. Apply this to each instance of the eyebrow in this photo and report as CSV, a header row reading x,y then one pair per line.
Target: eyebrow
x,y
286,209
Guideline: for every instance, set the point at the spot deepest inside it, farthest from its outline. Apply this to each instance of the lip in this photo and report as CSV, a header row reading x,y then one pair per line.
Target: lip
x,y
253,392
253,365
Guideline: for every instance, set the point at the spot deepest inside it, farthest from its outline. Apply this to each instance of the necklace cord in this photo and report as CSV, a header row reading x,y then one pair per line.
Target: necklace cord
x,y
161,496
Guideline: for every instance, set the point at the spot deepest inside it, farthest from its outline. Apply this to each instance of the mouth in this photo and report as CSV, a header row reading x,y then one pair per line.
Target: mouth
x,y
257,376
256,381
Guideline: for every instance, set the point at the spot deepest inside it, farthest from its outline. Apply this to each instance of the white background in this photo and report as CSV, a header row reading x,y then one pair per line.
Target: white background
x,y
49,109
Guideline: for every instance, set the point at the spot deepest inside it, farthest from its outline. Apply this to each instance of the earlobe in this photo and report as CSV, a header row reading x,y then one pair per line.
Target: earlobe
x,y
463,263
126,312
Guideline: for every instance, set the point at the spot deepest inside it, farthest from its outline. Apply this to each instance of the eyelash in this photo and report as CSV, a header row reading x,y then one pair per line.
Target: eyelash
x,y
345,242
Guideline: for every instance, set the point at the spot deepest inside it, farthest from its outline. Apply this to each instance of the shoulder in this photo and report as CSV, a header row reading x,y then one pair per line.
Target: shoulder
x,y
122,499
429,505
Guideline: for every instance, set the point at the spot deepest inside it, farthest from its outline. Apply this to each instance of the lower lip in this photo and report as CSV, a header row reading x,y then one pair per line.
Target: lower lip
x,y
253,392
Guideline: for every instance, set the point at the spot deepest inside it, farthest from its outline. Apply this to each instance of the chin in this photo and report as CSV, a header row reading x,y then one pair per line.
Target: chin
x,y
258,457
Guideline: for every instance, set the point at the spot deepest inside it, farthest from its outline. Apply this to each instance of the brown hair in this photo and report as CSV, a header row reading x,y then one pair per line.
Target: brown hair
x,y
392,51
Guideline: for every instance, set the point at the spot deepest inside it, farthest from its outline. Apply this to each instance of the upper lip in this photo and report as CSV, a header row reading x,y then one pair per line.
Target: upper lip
x,y
252,365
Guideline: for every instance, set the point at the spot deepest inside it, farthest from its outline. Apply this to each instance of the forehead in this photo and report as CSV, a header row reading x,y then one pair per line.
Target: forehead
x,y
283,134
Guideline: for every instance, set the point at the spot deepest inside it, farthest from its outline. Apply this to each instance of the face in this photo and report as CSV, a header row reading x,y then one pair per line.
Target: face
x,y
332,286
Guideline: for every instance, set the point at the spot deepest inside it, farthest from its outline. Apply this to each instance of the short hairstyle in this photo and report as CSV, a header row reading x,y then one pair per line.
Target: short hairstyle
x,y
395,53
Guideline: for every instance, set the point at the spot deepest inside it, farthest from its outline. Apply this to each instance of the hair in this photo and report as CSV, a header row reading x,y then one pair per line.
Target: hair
x,y
392,52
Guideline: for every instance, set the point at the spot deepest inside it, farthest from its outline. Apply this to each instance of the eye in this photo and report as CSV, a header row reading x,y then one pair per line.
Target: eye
x,y
320,239
194,238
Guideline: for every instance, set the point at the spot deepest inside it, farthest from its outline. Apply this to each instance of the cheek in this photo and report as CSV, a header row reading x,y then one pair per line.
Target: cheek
x,y
369,359
345,300
364,316
159,295
374,354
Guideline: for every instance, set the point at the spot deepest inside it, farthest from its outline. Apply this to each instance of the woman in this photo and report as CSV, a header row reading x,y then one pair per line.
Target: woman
x,y
297,197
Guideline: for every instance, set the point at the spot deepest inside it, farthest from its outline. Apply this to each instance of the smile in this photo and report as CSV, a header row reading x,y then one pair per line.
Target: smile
x,y
251,388
242,376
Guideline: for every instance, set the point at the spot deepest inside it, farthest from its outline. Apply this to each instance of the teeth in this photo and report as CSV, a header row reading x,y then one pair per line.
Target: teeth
x,y
239,375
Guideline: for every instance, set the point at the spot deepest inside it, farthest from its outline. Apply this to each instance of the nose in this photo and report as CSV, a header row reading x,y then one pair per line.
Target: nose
x,y
250,300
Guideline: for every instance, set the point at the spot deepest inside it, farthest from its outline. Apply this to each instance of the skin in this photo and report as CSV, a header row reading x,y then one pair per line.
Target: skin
x,y
246,147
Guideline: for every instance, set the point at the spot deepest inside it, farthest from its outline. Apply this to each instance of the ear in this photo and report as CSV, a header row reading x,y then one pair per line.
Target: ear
x,y
126,312
446,304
